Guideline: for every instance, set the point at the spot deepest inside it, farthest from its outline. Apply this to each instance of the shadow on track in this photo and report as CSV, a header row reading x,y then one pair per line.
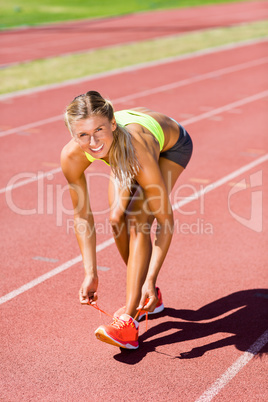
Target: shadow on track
x,y
245,318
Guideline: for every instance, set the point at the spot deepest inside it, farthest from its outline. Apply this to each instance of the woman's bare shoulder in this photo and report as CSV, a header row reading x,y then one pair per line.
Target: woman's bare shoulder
x,y
72,151
73,160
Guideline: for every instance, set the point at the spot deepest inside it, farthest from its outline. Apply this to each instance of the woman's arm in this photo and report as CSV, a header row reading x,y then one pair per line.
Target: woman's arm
x,y
73,164
157,203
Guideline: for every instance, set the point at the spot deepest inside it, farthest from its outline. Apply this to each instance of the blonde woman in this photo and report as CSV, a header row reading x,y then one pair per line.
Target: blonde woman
x,y
147,152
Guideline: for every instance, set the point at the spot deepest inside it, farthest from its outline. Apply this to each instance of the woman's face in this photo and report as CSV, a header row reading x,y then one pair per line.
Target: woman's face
x,y
94,135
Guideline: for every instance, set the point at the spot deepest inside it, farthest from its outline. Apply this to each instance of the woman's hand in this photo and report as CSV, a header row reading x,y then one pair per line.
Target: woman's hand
x,y
88,290
149,298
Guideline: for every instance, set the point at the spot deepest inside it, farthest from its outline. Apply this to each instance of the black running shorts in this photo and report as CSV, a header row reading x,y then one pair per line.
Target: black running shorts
x,y
181,151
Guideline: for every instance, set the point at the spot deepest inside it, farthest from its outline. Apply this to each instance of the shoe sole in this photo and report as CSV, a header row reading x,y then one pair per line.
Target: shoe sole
x,y
102,335
157,310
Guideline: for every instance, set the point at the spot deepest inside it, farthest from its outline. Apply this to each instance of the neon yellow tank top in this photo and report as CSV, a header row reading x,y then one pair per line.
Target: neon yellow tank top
x,y
125,117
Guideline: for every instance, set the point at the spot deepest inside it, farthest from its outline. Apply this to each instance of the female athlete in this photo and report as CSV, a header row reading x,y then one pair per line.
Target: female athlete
x,y
147,151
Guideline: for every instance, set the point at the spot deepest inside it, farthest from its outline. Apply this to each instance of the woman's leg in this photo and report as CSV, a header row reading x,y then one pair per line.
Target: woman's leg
x,y
140,248
118,201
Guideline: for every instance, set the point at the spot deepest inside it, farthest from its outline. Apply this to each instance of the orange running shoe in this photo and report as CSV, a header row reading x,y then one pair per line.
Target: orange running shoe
x,y
122,332
159,307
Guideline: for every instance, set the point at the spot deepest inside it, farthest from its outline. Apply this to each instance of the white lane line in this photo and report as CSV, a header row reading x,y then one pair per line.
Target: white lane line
x,y
45,259
34,177
234,369
50,274
26,127
226,108
187,122
162,88
135,67
198,78
220,182
107,243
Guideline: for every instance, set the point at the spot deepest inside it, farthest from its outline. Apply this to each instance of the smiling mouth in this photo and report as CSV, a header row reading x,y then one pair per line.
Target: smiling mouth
x,y
97,149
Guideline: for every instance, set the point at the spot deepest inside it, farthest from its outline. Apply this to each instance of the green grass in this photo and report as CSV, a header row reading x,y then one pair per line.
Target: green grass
x,y
33,12
58,69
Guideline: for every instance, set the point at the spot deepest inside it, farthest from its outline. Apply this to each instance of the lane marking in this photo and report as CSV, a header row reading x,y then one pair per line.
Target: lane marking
x,y
226,108
152,91
26,127
256,150
236,111
220,182
234,369
193,80
135,67
216,118
50,274
251,154
32,179
192,120
39,258
13,49
199,180
102,268
107,243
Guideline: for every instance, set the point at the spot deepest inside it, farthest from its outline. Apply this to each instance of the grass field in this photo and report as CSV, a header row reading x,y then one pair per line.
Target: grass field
x,y
31,12
58,69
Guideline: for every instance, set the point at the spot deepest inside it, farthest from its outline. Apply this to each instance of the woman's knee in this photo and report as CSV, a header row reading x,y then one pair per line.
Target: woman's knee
x,y
116,218
139,222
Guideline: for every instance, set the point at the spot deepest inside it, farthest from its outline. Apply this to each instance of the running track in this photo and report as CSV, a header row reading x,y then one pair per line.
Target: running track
x,y
20,45
211,339
214,280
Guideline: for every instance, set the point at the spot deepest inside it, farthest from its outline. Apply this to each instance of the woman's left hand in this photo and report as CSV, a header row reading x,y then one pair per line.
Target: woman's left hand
x,y
149,298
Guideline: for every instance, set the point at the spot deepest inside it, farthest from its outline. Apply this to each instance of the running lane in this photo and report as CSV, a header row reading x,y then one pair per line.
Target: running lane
x,y
41,203
20,45
214,280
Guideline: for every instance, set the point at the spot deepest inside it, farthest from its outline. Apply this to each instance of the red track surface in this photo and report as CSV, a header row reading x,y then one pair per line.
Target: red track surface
x,y
55,39
214,280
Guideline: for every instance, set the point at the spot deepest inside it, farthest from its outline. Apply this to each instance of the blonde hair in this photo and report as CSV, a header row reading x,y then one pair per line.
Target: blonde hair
x,y
122,156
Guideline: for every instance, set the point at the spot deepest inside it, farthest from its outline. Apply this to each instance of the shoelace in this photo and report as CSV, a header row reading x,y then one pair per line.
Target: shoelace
x,y
116,321
119,324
